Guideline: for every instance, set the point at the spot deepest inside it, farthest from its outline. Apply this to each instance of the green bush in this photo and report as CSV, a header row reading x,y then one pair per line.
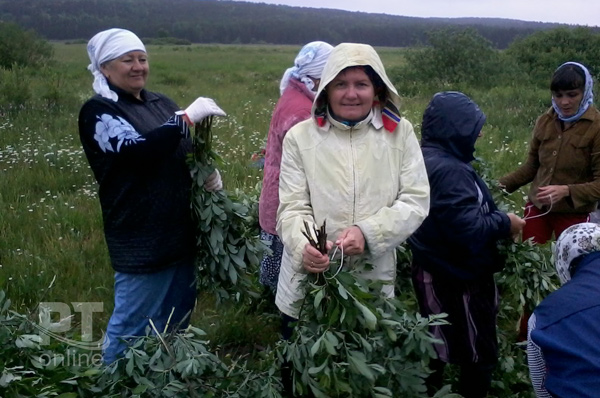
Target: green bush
x,y
15,89
455,58
22,47
541,53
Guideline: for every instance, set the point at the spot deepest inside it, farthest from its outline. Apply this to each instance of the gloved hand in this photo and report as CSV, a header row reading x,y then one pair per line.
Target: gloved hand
x,y
202,108
213,182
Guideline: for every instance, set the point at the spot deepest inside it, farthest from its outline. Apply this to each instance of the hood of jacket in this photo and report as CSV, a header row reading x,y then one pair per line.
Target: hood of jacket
x,y
347,55
452,122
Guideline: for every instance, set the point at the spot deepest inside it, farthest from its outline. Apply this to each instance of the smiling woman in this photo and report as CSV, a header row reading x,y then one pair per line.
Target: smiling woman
x,y
129,72
355,163
136,142
351,95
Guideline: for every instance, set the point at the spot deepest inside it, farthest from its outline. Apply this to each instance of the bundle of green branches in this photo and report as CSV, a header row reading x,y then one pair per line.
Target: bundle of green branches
x,y
527,278
163,364
350,341
180,365
228,244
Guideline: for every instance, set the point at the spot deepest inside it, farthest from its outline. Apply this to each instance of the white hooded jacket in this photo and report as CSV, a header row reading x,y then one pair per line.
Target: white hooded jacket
x,y
370,175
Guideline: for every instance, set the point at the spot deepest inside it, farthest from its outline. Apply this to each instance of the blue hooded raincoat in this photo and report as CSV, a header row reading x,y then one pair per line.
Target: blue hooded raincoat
x,y
459,237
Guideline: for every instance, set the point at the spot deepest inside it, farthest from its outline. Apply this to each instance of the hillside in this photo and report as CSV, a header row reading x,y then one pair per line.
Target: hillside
x,y
214,21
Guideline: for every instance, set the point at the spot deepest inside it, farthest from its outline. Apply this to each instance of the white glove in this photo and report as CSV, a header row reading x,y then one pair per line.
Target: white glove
x,y
202,108
213,182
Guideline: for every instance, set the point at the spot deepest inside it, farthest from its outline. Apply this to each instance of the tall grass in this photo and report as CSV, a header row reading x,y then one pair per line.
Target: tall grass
x,y
50,221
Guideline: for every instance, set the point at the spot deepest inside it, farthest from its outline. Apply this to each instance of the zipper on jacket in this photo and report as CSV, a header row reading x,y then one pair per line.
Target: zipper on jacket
x,y
353,177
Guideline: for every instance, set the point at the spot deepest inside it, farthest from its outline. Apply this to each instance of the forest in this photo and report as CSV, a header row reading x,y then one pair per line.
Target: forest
x,y
235,22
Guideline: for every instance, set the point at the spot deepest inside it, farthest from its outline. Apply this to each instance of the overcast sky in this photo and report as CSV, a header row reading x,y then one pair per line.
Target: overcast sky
x,y
579,12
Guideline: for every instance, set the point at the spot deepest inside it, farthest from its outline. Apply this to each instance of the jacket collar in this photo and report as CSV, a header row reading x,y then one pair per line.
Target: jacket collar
x,y
295,84
590,114
326,121
147,96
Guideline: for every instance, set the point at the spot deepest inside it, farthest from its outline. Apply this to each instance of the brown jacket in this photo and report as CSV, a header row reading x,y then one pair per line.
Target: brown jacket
x,y
556,157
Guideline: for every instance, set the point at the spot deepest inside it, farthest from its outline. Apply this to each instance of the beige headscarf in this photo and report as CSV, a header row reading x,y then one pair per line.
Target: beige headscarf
x,y
106,46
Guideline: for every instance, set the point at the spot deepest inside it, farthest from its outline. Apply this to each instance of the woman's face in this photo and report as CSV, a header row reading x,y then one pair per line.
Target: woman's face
x,y
351,95
128,72
568,101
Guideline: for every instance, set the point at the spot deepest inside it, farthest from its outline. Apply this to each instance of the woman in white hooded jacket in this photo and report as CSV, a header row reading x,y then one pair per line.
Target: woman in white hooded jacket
x,y
355,163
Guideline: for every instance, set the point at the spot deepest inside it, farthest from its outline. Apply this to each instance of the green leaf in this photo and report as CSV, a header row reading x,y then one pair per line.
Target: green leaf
x,y
370,319
343,292
331,338
358,365
233,275
314,370
129,366
319,297
315,347
329,347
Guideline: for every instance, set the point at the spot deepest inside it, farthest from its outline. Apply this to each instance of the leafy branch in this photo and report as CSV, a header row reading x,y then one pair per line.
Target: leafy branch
x,y
351,341
228,246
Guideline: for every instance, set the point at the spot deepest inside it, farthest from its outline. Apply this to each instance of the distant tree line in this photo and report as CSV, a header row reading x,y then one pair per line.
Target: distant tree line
x,y
214,21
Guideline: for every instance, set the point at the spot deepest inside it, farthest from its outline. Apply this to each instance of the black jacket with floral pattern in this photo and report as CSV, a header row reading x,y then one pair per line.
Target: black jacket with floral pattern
x,y
137,151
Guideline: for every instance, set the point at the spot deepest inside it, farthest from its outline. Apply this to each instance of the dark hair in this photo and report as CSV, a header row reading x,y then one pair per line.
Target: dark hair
x,y
568,77
378,84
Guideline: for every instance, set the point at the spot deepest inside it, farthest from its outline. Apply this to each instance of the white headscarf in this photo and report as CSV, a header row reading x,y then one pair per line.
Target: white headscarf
x,y
106,46
575,241
586,101
310,61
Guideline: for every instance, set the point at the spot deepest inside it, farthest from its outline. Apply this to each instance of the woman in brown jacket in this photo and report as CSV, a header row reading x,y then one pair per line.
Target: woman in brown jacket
x,y
563,164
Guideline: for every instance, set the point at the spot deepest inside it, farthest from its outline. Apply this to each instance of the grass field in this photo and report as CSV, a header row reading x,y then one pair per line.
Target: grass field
x,y
50,223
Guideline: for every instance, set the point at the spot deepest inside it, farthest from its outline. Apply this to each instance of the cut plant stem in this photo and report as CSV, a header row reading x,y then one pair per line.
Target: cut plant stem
x,y
321,243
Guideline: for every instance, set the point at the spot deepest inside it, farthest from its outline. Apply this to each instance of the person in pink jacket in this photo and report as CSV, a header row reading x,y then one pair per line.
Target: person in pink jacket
x,y
298,87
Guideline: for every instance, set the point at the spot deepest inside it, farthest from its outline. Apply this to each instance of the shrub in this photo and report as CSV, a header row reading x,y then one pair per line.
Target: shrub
x,y
22,48
15,89
542,52
454,58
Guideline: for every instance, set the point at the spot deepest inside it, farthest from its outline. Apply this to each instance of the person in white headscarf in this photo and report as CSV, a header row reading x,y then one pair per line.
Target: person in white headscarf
x,y
563,162
136,143
563,348
298,87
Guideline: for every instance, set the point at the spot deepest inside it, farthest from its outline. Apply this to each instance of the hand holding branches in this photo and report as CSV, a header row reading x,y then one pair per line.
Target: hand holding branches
x,y
314,255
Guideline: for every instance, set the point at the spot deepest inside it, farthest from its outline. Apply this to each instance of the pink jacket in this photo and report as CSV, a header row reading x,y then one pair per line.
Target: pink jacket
x,y
293,107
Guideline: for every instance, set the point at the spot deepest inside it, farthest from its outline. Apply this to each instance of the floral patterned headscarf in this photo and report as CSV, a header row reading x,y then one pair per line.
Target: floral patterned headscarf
x,y
309,62
575,241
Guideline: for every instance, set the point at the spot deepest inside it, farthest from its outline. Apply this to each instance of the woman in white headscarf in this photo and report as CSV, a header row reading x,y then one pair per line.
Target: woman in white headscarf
x,y
563,349
136,142
298,86
563,163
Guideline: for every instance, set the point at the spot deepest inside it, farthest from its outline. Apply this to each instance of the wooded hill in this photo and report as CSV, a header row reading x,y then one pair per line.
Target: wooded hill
x,y
214,21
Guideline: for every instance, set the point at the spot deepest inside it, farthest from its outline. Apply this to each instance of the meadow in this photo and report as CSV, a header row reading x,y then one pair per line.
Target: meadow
x,y
52,247
51,225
